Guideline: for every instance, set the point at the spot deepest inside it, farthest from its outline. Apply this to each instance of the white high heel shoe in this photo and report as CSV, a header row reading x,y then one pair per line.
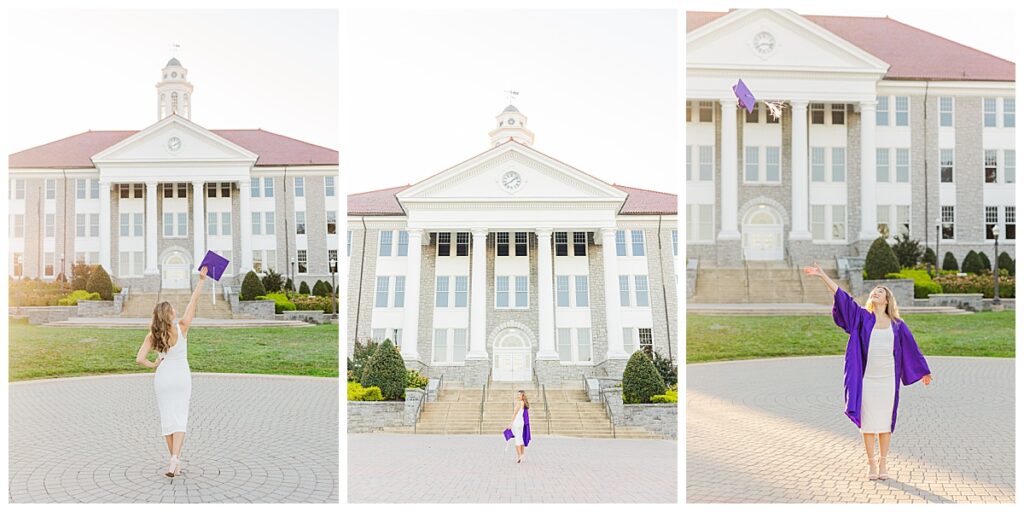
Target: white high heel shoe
x,y
174,467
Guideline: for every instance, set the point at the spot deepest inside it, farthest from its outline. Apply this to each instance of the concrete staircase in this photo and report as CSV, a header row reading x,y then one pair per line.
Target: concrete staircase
x,y
762,283
457,411
140,305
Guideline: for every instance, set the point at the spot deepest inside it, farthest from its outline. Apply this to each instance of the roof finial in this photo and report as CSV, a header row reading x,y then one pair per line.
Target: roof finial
x,y
512,95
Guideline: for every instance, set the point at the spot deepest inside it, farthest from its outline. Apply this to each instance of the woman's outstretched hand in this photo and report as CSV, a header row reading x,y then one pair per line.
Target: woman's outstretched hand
x,y
202,273
814,270
927,379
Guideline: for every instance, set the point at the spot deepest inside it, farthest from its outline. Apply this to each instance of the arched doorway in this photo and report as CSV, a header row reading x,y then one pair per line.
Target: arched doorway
x,y
762,234
512,357
175,271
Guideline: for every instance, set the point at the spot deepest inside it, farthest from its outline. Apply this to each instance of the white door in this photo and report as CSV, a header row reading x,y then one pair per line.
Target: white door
x,y
176,272
512,356
762,235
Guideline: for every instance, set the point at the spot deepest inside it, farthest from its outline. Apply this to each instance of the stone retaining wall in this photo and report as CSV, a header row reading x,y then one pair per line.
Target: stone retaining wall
x,y
44,314
903,289
259,309
375,416
313,317
96,308
659,419
966,301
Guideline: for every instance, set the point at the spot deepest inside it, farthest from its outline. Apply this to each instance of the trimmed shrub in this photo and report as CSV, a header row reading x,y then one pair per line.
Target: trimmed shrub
x,y
907,250
252,287
304,288
80,275
641,380
360,355
99,282
72,298
929,256
281,302
986,264
923,284
975,283
312,303
357,393
971,264
289,285
670,397
665,368
386,370
272,282
949,262
1006,263
413,379
372,394
880,260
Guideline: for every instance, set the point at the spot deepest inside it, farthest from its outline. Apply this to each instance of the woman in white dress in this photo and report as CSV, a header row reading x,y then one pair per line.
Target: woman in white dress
x,y
521,425
173,380
881,352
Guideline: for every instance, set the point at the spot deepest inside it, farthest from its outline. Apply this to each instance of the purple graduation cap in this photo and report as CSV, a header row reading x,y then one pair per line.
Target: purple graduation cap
x,y
215,265
744,95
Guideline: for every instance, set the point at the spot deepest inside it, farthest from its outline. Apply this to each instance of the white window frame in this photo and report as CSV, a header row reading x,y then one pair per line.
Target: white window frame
x,y
827,223
946,112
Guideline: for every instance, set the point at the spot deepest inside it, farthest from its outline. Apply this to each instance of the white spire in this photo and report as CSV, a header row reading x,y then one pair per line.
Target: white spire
x,y
511,126
174,91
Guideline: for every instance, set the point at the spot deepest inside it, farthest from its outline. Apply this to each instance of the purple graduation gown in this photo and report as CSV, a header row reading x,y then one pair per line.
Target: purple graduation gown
x,y
526,426
858,323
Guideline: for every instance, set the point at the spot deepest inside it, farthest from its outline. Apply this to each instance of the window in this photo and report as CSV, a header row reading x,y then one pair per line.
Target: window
x,y
564,345
211,218
838,113
620,243
444,244
19,226
125,224
271,258
689,111
771,156
182,190
257,223
268,224
501,292
946,165
397,337
441,345
818,164
403,243
883,221
838,222
948,223
838,165
225,223
882,111
18,263
705,111
675,242
1009,112
828,223
182,224
501,243
385,243
583,345
1010,218
642,296
752,164
257,262
702,222
378,335
80,188
94,189
817,113
882,165
268,187
991,166
521,243
94,224
1010,166
329,186
300,223
254,187
561,243
945,111
348,246
706,164
562,291
902,111
50,225
458,345
51,189
211,190
624,291
628,342
646,340
582,293
579,243
124,191
991,221
522,291
902,165
168,225
753,115
399,291
441,289
903,219
300,186
301,257
462,244
461,291
574,352
638,242
989,113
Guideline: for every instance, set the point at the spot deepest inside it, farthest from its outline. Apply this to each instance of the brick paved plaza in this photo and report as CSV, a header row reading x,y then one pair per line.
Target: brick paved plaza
x,y
396,468
774,431
251,439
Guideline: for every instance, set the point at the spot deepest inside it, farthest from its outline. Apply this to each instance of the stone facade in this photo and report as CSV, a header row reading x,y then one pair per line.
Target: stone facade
x,y
374,416
263,309
660,419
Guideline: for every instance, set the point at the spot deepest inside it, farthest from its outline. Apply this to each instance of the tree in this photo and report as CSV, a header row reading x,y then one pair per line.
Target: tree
x,y
971,263
99,282
1006,262
908,251
641,380
360,355
929,256
665,368
272,281
80,275
949,262
880,260
304,288
252,287
386,370
319,290
986,264
289,285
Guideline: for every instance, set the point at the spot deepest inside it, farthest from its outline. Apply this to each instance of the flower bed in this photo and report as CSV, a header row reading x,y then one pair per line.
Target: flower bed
x,y
978,283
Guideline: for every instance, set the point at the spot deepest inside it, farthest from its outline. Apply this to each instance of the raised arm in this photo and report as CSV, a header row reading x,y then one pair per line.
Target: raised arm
x,y
143,356
816,271
190,311
845,311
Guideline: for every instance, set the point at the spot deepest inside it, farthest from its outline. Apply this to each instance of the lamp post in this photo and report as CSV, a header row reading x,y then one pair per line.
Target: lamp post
x,y
334,268
293,276
63,272
995,267
938,236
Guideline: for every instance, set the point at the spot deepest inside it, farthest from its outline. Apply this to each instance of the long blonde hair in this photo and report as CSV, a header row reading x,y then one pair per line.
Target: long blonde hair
x,y
891,308
161,327
526,401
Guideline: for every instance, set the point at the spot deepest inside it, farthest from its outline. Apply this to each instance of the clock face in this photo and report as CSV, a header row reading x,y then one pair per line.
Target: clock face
x,y
173,143
511,181
511,122
764,43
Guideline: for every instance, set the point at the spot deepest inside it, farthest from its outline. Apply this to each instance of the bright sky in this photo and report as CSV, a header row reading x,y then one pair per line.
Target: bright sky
x,y
71,71
423,87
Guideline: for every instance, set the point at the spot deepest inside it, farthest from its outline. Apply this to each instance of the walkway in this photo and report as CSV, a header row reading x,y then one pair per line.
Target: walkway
x,y
142,323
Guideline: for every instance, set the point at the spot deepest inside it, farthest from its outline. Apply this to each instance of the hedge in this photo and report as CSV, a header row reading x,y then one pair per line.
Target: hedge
x,y
386,370
252,287
281,302
641,380
357,393
880,260
72,298
978,283
670,397
923,283
949,262
99,282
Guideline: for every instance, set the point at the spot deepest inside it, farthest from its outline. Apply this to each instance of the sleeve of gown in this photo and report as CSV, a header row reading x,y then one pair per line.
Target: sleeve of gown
x,y
845,311
914,365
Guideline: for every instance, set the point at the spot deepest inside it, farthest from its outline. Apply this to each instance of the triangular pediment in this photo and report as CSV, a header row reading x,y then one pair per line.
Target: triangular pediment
x,y
774,39
512,172
171,140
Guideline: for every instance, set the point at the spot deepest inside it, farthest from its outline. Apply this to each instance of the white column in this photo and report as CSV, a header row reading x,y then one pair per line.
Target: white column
x,y
198,223
411,325
798,157
868,210
105,236
611,295
545,294
478,297
245,216
151,230
730,172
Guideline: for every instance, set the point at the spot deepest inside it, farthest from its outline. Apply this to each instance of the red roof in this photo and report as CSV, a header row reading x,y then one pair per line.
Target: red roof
x,y
638,202
912,53
76,151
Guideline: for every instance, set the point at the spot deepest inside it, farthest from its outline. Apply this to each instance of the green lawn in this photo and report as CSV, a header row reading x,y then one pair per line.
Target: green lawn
x,y
47,352
724,338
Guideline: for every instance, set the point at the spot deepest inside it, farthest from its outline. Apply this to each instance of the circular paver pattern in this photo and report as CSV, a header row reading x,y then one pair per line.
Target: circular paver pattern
x,y
251,438
400,468
773,430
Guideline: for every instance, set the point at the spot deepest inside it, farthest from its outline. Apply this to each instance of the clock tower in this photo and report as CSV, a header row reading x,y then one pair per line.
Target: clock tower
x,y
511,125
174,92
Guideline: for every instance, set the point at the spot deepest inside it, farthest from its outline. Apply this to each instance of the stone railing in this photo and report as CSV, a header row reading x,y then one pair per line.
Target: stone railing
x,y
374,416
965,301
260,309
659,419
